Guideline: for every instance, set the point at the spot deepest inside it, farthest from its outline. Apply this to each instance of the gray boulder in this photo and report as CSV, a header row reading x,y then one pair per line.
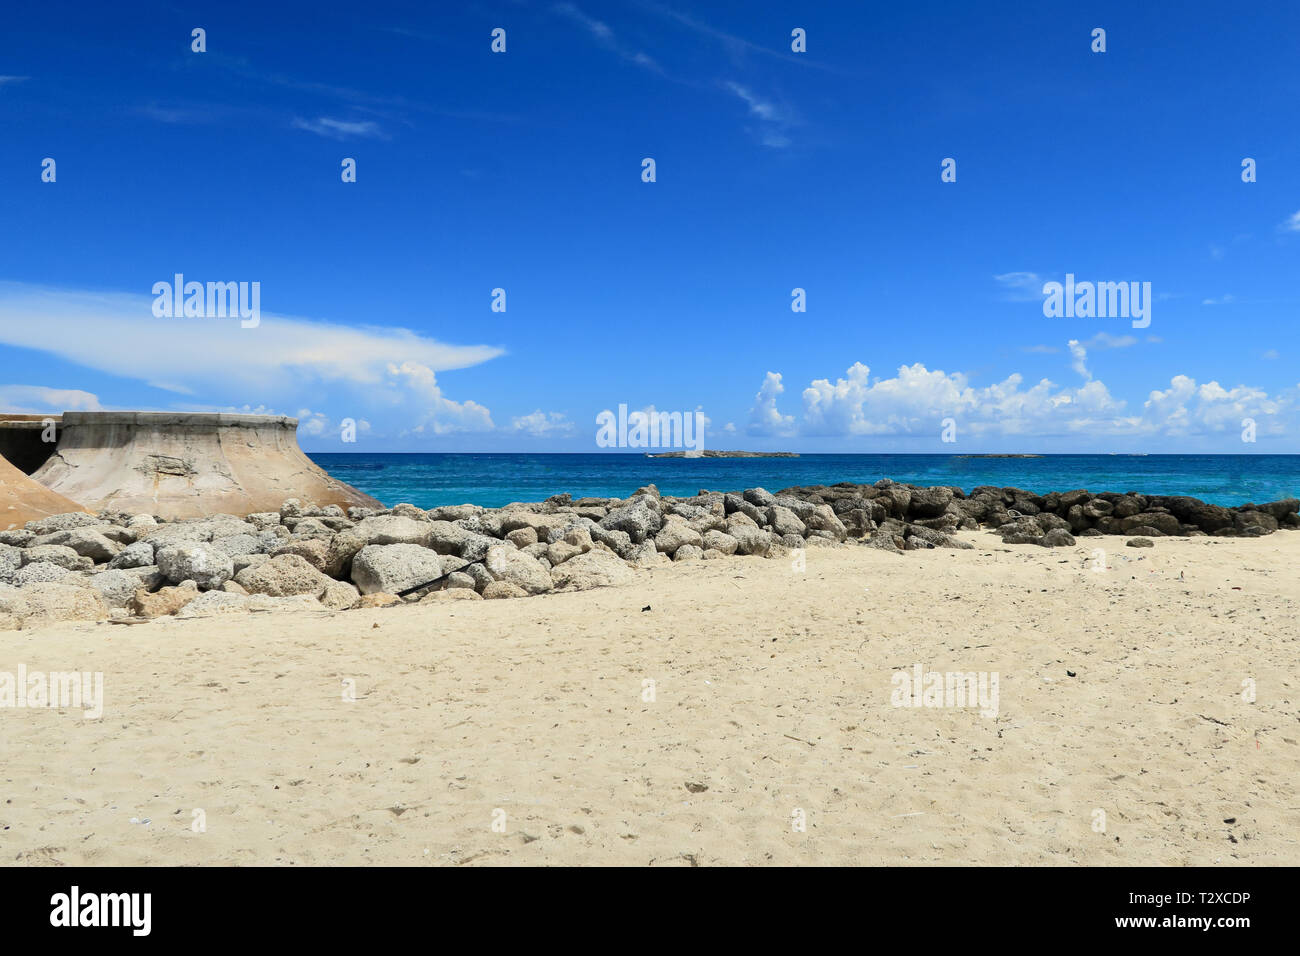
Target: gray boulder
x,y
719,541
58,554
395,568
284,575
395,529
138,555
205,565
63,522
637,520
241,543
784,521
596,568
749,540
117,587
42,572
509,564
90,542
823,519
929,502
11,559
448,538
675,534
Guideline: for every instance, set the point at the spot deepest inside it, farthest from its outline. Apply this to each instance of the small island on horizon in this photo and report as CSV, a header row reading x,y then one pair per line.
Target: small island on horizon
x,y
709,453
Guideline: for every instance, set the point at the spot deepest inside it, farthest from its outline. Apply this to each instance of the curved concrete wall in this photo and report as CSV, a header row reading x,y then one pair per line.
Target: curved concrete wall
x,y
21,440
185,466
23,500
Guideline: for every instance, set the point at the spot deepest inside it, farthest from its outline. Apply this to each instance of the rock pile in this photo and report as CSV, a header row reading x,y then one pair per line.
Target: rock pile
x,y
901,512
79,566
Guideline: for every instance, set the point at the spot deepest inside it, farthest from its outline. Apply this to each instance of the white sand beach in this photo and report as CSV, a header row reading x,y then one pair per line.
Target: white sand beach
x,y
772,689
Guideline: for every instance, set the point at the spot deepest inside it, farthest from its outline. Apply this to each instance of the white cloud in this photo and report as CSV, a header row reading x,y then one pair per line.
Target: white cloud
x,y
764,419
1223,300
431,412
1292,224
118,333
1078,356
773,121
340,129
1104,340
916,400
38,399
604,35
1020,286
542,424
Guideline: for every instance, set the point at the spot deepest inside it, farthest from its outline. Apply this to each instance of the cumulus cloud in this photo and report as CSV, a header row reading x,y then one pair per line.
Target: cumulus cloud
x,y
764,419
1078,358
540,424
432,412
917,399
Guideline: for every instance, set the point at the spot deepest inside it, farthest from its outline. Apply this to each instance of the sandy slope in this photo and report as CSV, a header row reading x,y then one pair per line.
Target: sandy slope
x,y
772,688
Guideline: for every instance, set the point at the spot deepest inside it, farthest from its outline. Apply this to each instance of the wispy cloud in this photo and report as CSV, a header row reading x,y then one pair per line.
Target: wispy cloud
x,y
604,35
736,45
1104,340
1292,224
9,80
774,121
39,399
1222,300
1020,286
340,129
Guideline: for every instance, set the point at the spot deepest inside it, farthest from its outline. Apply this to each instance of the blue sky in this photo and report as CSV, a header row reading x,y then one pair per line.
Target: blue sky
x,y
775,170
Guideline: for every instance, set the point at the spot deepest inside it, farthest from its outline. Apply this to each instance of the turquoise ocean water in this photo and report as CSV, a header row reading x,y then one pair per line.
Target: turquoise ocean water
x,y
428,480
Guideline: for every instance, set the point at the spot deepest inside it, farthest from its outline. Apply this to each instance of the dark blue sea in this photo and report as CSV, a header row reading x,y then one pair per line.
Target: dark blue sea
x,y
429,480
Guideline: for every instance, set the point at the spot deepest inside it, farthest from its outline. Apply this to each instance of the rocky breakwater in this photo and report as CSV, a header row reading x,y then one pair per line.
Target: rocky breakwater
x,y
116,565
906,517
79,566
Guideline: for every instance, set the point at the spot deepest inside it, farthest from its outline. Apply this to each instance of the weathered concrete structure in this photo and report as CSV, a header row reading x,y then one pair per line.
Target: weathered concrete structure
x,y
179,465
23,439
23,500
